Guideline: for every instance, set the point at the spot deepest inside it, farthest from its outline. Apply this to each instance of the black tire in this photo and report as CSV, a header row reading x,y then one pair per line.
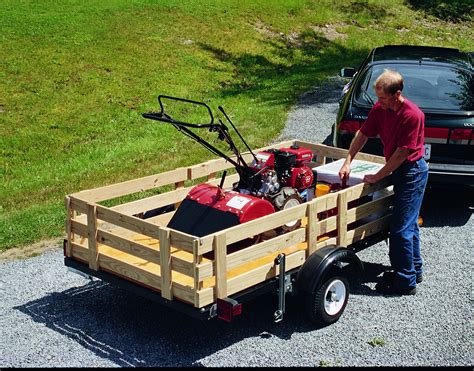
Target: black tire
x,y
321,306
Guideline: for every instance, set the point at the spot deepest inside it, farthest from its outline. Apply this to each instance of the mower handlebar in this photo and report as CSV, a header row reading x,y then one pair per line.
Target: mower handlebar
x,y
162,116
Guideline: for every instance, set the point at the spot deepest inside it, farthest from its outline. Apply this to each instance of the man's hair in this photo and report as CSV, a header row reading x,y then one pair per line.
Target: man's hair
x,y
389,81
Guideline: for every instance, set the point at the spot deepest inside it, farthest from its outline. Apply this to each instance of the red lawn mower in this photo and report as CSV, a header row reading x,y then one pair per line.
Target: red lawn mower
x,y
276,179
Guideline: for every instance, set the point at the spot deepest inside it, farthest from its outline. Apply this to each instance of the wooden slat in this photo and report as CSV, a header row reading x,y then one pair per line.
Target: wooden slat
x,y
204,297
197,261
254,252
220,253
70,216
326,242
79,228
161,220
130,271
327,202
327,225
128,222
379,205
120,268
165,263
182,240
204,270
263,273
341,218
142,251
182,266
165,199
361,190
78,204
265,248
152,202
92,238
209,167
312,227
205,244
368,229
132,186
265,223
128,246
139,275
80,252
184,293
336,153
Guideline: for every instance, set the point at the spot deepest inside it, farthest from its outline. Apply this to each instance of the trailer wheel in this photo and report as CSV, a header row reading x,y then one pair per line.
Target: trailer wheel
x,y
327,303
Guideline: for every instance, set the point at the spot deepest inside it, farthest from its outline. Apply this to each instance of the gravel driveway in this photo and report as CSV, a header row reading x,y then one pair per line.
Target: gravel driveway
x,y
50,317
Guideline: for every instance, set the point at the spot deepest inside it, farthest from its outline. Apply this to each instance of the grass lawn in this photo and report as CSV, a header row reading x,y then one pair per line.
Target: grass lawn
x,y
75,77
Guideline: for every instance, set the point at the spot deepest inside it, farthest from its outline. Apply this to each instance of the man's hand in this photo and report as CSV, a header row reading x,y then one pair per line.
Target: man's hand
x,y
344,173
370,178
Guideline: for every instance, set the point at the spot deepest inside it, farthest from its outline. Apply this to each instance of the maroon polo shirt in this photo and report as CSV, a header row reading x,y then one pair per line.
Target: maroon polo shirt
x,y
403,128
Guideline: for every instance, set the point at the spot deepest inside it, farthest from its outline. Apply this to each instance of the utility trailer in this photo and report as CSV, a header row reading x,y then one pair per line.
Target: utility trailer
x,y
199,275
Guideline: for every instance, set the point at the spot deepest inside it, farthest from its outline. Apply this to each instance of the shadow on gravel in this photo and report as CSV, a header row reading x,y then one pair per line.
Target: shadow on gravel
x,y
447,207
372,274
134,332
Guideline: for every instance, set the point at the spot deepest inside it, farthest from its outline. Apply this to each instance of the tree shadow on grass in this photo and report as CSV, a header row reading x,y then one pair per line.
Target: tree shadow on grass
x,y
451,10
292,67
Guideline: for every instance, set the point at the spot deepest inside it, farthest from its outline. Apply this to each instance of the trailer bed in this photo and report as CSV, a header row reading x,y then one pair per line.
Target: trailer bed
x,y
176,265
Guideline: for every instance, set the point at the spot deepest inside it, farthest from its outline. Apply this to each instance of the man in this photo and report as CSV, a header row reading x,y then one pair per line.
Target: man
x,y
400,125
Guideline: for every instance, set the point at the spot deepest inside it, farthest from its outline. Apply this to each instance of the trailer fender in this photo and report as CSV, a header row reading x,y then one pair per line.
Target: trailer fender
x,y
316,267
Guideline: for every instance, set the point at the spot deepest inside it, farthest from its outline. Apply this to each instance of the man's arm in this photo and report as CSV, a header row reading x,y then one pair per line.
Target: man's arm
x,y
356,145
397,158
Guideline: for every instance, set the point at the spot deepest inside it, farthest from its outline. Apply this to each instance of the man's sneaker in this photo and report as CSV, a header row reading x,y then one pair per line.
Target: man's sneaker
x,y
390,289
388,277
419,278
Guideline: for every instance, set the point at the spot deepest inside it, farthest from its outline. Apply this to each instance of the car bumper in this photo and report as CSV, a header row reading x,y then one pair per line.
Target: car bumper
x,y
451,174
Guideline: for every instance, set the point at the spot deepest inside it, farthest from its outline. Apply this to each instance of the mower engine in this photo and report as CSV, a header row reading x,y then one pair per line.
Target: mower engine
x,y
284,167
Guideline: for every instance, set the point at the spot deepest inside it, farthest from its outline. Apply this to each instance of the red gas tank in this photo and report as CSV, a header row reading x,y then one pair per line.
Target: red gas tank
x,y
207,209
303,155
301,178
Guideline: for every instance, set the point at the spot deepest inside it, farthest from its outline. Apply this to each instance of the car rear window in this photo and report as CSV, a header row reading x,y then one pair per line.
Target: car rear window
x,y
430,87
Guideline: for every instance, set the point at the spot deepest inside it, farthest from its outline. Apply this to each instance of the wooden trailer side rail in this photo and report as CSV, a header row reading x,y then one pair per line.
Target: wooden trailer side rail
x,y
113,239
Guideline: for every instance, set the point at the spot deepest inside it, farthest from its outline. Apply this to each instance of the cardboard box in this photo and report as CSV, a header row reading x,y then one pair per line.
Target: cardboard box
x,y
329,173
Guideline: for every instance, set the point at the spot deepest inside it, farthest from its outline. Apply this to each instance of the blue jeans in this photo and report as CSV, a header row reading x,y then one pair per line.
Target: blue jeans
x,y
409,183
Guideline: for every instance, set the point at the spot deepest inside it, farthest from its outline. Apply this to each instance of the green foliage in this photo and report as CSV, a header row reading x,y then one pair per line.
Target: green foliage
x,y
376,342
452,10
76,76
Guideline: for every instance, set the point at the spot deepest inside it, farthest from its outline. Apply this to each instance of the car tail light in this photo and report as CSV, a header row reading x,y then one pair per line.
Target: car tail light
x,y
436,135
228,308
460,136
450,136
349,126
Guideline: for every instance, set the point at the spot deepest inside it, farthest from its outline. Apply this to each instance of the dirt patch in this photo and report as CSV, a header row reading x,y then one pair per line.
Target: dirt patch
x,y
329,31
294,38
30,251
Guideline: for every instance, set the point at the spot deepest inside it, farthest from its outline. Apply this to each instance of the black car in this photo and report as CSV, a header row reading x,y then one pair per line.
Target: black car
x,y
441,82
